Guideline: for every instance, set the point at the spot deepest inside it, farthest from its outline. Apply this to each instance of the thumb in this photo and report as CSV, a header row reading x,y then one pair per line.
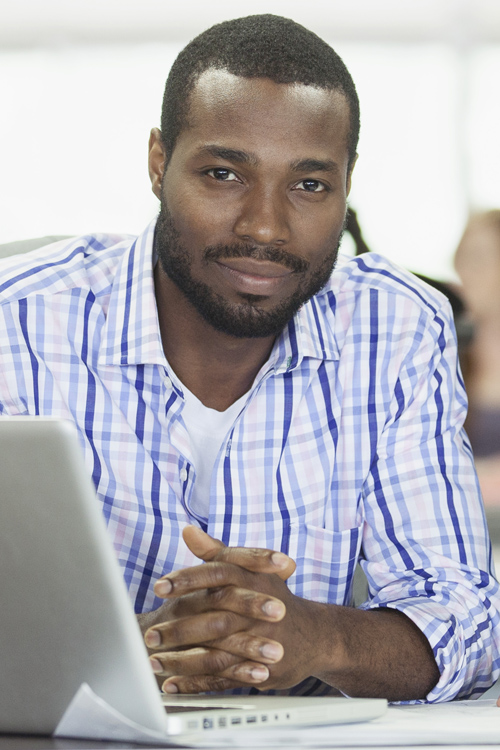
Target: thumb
x,y
255,559
201,544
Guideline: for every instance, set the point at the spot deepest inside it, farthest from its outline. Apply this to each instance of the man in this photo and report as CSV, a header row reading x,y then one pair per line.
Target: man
x,y
223,379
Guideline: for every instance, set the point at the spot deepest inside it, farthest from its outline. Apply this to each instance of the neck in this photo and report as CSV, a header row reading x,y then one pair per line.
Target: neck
x,y
216,367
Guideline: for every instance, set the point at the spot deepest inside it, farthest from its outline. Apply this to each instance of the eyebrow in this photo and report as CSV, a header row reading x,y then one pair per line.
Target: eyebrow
x,y
229,154
243,157
315,165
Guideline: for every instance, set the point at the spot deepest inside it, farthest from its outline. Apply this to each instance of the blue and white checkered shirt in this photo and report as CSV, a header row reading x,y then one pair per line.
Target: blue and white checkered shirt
x,y
350,445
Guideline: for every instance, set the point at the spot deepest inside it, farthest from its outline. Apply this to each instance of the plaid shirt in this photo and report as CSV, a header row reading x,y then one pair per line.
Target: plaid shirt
x,y
350,446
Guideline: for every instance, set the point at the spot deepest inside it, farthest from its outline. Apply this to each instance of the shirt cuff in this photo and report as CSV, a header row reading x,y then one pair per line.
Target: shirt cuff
x,y
463,650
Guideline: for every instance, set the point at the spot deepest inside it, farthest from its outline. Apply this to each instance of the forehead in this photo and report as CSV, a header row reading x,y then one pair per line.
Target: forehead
x,y
257,113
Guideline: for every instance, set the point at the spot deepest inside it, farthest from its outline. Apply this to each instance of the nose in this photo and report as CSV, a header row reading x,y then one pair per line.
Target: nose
x,y
263,218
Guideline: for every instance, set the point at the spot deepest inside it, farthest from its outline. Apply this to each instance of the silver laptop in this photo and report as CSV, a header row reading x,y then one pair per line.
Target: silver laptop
x,y
72,658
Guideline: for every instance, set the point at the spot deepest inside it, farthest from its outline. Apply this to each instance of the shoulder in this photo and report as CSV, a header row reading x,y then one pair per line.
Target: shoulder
x,y
372,272
88,262
370,299
372,282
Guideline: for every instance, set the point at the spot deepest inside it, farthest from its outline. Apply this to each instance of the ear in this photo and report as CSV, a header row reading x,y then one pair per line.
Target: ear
x,y
349,175
156,161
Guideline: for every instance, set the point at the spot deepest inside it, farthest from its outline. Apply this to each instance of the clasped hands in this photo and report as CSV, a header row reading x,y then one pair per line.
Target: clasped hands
x,y
230,622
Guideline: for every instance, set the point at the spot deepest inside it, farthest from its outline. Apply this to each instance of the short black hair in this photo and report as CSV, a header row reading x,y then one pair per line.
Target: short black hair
x,y
260,46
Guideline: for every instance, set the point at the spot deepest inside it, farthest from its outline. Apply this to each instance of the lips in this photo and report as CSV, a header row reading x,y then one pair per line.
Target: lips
x,y
251,276
254,267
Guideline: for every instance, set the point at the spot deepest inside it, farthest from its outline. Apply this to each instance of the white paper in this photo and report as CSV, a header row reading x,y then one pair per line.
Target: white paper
x,y
90,717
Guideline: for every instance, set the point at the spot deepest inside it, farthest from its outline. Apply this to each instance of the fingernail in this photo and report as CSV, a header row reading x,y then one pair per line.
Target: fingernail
x,y
271,651
279,559
163,587
152,638
259,674
170,687
155,665
273,609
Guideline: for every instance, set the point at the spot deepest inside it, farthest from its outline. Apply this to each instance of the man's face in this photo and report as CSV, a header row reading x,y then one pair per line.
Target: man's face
x,y
253,200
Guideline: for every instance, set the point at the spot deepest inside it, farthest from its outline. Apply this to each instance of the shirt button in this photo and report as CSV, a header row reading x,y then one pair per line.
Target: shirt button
x,y
168,383
183,475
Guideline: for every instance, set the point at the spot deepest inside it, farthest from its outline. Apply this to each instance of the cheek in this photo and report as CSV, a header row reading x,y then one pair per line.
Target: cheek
x,y
199,223
323,223
322,239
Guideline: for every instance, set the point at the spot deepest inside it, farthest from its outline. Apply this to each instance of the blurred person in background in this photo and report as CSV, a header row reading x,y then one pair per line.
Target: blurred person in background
x,y
477,262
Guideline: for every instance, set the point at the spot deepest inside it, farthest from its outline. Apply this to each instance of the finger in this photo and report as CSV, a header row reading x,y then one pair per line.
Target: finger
x,y
258,560
182,606
188,580
227,611
192,661
251,604
249,647
251,558
191,631
245,675
213,575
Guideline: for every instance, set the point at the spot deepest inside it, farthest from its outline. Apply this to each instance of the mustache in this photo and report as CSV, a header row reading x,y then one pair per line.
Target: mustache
x,y
273,254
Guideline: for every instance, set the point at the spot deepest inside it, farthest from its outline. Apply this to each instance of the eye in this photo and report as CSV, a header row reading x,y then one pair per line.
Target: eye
x,y
222,174
311,186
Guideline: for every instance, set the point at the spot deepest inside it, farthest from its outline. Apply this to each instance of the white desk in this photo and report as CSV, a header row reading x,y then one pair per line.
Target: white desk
x,y
471,724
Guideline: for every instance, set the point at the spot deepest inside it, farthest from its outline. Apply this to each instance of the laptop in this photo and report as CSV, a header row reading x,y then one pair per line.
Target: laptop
x,y
72,658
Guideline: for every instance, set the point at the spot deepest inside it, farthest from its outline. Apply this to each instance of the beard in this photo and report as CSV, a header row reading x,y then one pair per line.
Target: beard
x,y
245,319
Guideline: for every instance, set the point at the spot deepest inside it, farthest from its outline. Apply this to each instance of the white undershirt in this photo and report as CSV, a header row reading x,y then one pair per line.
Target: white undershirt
x,y
207,429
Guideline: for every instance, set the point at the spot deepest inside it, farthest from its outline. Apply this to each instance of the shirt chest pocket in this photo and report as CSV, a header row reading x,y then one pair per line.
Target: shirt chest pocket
x,y
325,562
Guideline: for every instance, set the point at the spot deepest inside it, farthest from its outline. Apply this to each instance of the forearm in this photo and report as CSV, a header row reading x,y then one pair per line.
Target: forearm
x,y
376,653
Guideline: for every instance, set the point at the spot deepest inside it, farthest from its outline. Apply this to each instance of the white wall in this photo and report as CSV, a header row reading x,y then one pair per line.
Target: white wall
x,y
75,114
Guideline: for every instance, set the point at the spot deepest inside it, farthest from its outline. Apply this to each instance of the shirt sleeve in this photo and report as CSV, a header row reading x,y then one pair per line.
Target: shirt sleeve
x,y
426,549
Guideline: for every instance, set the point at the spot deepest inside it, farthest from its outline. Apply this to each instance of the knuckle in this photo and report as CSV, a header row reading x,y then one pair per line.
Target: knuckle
x,y
241,645
218,596
227,622
241,601
218,661
252,604
229,643
218,574
217,683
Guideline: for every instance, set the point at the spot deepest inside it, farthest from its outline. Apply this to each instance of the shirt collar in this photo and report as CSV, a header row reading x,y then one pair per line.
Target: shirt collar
x,y
310,333
132,336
